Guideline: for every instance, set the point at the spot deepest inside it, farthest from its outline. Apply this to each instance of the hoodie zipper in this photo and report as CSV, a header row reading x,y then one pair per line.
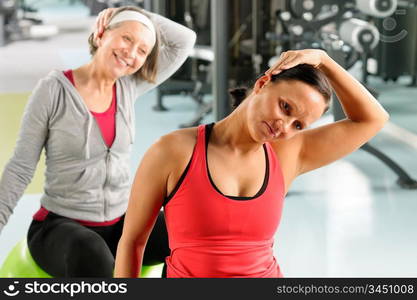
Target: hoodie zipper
x,y
105,202
107,173
108,163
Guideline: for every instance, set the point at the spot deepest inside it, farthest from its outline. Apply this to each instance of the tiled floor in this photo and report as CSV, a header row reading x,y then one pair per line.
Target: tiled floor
x,y
349,219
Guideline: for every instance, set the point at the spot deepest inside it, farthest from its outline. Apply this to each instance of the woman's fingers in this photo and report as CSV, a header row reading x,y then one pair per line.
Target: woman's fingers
x,y
283,57
102,21
292,58
107,15
286,59
288,64
97,28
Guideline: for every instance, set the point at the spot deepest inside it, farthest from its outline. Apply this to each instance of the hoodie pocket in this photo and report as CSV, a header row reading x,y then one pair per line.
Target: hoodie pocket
x,y
81,184
120,177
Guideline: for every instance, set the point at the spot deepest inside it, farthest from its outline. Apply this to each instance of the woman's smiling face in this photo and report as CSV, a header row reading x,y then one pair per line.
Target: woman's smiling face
x,y
124,48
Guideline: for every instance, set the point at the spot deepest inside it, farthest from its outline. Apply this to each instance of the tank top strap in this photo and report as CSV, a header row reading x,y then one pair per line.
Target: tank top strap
x,y
198,160
276,177
201,137
271,155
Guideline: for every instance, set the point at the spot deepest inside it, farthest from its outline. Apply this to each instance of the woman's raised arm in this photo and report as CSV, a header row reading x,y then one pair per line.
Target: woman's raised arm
x,y
177,41
365,116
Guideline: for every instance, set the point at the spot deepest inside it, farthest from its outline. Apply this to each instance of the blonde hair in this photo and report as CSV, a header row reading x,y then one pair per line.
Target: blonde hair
x,y
149,69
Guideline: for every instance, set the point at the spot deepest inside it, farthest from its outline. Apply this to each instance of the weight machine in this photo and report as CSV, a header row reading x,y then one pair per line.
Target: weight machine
x,y
18,21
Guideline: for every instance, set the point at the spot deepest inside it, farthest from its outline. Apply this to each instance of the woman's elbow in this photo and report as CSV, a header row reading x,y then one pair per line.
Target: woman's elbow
x,y
386,116
383,118
379,122
191,39
380,117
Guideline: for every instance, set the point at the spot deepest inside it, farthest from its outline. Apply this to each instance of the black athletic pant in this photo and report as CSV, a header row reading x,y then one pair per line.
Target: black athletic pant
x,y
63,247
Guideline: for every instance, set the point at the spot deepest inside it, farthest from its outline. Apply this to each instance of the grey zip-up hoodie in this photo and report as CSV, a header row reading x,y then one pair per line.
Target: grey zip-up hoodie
x,y
84,179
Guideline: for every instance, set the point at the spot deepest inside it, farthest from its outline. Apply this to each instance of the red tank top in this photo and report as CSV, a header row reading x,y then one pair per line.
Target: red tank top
x,y
213,235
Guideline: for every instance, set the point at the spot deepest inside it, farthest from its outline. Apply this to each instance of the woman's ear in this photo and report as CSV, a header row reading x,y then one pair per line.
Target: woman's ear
x,y
261,82
99,38
98,41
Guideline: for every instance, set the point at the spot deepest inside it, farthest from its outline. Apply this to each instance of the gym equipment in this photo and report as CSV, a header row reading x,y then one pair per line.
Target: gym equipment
x,y
399,40
202,57
7,13
16,24
20,264
196,86
193,79
377,8
363,37
358,32
404,180
95,6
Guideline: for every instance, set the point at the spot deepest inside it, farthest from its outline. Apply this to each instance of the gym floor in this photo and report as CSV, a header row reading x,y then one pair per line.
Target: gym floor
x,y
349,219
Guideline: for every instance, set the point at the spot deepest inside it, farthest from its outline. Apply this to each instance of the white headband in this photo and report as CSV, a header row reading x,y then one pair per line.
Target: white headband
x,y
130,15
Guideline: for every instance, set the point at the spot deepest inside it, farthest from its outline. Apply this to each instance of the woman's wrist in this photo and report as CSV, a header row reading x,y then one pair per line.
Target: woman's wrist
x,y
325,62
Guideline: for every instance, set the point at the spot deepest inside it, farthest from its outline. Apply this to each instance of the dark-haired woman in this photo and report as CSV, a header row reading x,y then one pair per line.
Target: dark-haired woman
x,y
222,185
85,120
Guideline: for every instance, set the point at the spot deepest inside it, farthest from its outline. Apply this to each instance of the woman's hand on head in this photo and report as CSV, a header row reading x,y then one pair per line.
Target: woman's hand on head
x,y
102,21
290,59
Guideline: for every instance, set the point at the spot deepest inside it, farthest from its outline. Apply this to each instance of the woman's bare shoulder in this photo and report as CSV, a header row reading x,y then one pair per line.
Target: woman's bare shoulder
x,y
179,143
186,135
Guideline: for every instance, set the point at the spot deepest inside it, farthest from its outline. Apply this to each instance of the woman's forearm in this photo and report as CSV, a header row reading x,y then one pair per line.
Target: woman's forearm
x,y
128,260
357,102
173,34
177,42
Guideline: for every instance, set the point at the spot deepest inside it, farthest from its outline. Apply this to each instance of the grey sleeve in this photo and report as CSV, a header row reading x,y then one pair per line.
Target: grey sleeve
x,y
19,170
177,41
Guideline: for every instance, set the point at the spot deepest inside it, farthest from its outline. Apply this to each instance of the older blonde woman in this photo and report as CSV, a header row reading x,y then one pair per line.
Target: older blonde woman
x,y
85,120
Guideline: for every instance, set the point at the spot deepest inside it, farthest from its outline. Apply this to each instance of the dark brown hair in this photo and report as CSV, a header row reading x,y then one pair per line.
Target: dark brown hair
x,y
304,73
149,69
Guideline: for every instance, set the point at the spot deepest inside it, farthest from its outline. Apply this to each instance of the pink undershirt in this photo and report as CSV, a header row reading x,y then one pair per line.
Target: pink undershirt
x,y
105,120
107,123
